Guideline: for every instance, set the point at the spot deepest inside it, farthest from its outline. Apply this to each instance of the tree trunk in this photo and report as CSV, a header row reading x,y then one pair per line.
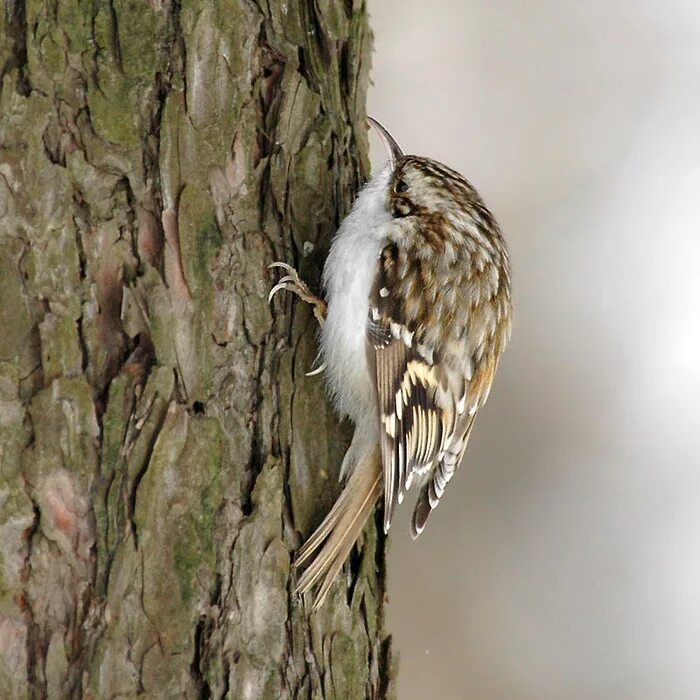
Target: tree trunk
x,y
162,454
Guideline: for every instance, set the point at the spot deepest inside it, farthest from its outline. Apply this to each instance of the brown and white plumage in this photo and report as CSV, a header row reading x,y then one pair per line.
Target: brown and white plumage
x,y
419,311
439,318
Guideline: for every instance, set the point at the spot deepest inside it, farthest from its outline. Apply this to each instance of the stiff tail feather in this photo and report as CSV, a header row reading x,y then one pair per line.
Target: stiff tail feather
x,y
335,536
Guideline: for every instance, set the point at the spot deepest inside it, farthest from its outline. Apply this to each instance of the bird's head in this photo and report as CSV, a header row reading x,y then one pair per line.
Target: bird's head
x,y
424,188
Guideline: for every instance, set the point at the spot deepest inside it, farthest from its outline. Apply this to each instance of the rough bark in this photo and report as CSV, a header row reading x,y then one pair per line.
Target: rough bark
x,y
162,454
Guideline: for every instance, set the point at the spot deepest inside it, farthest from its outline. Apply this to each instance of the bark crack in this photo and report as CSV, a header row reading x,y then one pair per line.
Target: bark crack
x,y
36,648
16,36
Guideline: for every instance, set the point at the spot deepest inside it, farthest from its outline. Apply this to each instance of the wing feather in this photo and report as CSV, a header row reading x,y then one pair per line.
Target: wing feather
x,y
411,423
427,397
476,395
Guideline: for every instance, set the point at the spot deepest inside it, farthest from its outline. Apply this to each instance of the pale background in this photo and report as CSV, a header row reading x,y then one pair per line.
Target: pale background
x,y
564,561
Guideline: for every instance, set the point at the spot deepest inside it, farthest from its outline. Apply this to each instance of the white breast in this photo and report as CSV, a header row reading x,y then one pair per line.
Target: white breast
x,y
348,276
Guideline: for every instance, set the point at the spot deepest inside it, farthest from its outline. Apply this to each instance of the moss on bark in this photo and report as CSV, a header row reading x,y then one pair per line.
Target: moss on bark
x,y
161,452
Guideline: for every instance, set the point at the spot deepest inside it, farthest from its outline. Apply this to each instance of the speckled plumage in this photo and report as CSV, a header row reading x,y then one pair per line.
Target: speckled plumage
x,y
443,277
418,313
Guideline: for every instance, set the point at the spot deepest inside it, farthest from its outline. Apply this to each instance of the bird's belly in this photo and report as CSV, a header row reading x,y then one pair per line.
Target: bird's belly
x,y
345,357
348,277
344,333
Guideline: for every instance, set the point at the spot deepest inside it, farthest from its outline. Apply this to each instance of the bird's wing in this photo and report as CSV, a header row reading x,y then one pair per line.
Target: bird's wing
x,y
475,396
426,406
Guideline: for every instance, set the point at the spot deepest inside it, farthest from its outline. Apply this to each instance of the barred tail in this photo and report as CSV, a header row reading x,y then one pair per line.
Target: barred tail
x,y
332,541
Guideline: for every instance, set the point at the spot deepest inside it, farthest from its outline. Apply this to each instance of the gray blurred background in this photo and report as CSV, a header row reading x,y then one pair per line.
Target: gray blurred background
x,y
564,561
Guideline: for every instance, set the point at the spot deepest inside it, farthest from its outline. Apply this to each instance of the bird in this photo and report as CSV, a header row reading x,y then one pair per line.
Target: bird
x,y
416,313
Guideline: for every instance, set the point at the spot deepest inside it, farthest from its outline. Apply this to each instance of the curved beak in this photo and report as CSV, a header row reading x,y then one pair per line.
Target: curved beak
x,y
388,140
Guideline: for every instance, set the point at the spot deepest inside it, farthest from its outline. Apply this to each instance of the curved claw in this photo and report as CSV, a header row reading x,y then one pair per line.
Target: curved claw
x,y
283,265
275,289
291,282
316,371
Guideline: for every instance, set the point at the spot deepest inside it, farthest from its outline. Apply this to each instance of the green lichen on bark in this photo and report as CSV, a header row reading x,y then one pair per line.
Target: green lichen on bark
x,y
162,453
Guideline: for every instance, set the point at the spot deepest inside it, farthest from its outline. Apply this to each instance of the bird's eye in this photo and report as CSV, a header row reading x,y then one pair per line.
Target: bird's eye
x,y
401,186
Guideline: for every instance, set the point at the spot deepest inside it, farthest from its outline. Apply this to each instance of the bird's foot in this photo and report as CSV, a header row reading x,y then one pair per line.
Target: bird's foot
x,y
293,283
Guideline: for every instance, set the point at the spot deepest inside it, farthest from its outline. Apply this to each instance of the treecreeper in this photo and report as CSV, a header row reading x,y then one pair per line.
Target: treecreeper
x,y
416,315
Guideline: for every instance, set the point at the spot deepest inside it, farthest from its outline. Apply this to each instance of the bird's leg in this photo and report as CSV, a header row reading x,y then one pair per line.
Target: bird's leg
x,y
293,283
